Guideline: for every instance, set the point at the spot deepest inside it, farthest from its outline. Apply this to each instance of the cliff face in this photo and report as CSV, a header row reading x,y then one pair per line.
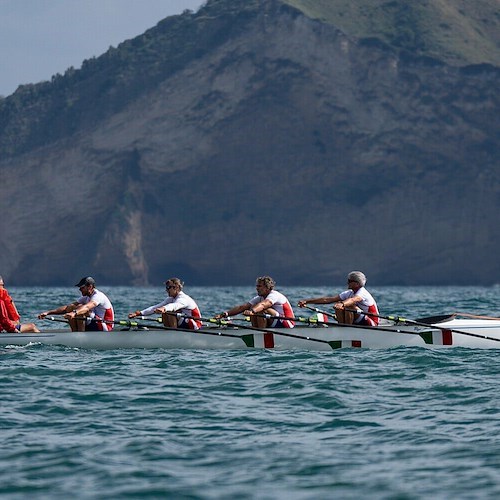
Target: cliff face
x,y
289,148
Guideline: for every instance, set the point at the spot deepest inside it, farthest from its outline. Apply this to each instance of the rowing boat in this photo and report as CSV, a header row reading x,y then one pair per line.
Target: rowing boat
x,y
475,333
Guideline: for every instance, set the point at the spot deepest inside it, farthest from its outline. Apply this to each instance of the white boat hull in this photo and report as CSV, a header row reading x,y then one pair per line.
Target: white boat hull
x,y
475,334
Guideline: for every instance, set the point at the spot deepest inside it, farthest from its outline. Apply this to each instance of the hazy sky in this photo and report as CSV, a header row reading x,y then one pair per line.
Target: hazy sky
x,y
39,38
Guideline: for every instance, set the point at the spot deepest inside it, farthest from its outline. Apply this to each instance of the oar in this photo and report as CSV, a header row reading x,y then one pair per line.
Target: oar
x,y
122,323
126,323
364,327
60,320
298,319
248,339
129,324
398,319
409,321
160,320
147,318
309,321
225,322
332,343
245,338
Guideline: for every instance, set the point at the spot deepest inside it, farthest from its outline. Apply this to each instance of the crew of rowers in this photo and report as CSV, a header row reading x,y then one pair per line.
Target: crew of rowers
x,y
93,311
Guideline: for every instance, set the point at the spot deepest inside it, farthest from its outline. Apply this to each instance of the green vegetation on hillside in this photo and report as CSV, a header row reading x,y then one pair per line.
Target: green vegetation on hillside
x,y
38,114
458,32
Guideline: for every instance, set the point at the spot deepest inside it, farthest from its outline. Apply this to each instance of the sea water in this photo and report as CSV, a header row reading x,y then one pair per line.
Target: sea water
x,y
401,423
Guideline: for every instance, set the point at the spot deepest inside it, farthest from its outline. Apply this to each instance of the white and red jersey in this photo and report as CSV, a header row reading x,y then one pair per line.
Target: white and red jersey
x,y
182,303
367,305
102,311
280,304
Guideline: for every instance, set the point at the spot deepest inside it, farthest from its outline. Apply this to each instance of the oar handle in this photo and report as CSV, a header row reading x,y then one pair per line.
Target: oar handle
x,y
120,322
146,318
51,318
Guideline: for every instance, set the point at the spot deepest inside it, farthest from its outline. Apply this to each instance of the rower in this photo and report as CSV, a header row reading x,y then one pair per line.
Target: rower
x,y
93,311
353,306
268,309
178,310
10,320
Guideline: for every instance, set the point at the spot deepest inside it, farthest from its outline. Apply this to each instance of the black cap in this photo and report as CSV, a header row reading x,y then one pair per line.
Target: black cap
x,y
88,280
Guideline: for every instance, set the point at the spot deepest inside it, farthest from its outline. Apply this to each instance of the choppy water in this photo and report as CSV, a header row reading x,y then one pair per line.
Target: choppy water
x,y
403,423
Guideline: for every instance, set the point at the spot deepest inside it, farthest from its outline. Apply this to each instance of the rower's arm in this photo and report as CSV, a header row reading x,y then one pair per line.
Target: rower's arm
x,y
82,309
352,301
60,310
319,300
261,306
238,309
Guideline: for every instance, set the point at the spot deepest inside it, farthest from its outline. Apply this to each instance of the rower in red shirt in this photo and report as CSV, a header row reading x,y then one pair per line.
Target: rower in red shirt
x,y
10,320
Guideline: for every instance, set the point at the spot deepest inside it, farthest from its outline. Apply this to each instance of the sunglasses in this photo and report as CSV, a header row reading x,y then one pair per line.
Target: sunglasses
x,y
168,287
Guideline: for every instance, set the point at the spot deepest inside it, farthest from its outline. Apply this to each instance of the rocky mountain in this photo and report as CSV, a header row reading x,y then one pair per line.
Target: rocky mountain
x,y
297,138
